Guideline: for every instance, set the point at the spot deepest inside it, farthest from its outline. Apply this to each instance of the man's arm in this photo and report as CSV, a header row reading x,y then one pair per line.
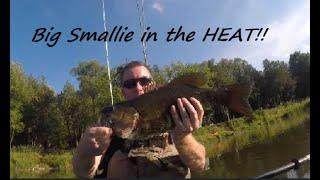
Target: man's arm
x,y
85,166
93,144
191,152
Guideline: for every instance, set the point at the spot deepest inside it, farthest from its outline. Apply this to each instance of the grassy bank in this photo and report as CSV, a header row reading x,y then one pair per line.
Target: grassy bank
x,y
266,125
29,162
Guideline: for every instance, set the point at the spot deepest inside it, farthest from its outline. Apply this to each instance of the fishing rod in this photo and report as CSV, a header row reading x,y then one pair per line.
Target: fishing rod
x,y
107,51
294,164
142,28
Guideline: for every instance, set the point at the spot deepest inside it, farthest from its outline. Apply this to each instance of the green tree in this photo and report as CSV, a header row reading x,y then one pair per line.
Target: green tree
x,y
255,99
278,84
71,106
299,64
158,75
38,114
20,94
233,71
178,69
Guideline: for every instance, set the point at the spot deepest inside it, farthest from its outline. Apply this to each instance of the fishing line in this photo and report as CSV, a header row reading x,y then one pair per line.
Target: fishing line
x,y
107,52
142,28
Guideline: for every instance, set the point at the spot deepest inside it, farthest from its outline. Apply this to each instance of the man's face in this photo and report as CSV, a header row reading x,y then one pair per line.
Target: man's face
x,y
134,73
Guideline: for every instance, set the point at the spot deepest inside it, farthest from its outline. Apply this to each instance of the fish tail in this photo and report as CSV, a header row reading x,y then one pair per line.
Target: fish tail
x,y
237,99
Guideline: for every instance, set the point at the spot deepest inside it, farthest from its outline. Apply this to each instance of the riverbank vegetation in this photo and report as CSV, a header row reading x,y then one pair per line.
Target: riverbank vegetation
x,y
34,162
266,124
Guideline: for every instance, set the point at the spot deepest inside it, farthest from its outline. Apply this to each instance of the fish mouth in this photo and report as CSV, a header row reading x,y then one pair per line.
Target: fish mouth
x,y
125,125
133,130
129,132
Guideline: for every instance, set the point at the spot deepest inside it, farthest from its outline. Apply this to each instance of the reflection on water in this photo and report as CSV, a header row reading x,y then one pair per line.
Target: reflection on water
x,y
295,173
260,158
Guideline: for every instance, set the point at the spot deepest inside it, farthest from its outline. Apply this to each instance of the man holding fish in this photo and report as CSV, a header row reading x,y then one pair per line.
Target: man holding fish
x,y
101,145
150,134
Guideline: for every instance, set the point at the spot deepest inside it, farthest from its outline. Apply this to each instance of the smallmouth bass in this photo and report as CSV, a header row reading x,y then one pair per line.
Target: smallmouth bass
x,y
149,114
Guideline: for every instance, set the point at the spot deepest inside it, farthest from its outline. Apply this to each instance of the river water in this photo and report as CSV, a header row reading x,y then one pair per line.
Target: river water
x,y
257,159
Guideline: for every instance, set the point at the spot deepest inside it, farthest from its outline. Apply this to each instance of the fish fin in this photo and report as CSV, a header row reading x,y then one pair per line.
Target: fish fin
x,y
196,79
238,99
153,86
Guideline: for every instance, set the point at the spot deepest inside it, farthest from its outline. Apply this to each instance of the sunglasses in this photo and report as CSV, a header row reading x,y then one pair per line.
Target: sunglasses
x,y
132,83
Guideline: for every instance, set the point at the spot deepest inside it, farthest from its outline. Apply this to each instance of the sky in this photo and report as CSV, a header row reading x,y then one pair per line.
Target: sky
x,y
288,23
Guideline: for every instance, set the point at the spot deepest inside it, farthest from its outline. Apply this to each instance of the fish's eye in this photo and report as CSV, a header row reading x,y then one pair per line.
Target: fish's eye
x,y
109,123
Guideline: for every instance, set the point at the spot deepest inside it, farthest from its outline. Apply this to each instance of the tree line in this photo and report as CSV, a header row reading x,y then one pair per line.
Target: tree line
x,y
41,117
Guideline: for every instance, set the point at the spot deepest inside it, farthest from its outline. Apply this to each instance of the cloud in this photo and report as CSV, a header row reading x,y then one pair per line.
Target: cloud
x,y
285,35
291,34
158,7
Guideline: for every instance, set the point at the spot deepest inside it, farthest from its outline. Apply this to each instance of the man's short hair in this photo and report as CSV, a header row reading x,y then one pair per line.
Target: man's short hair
x,y
130,65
